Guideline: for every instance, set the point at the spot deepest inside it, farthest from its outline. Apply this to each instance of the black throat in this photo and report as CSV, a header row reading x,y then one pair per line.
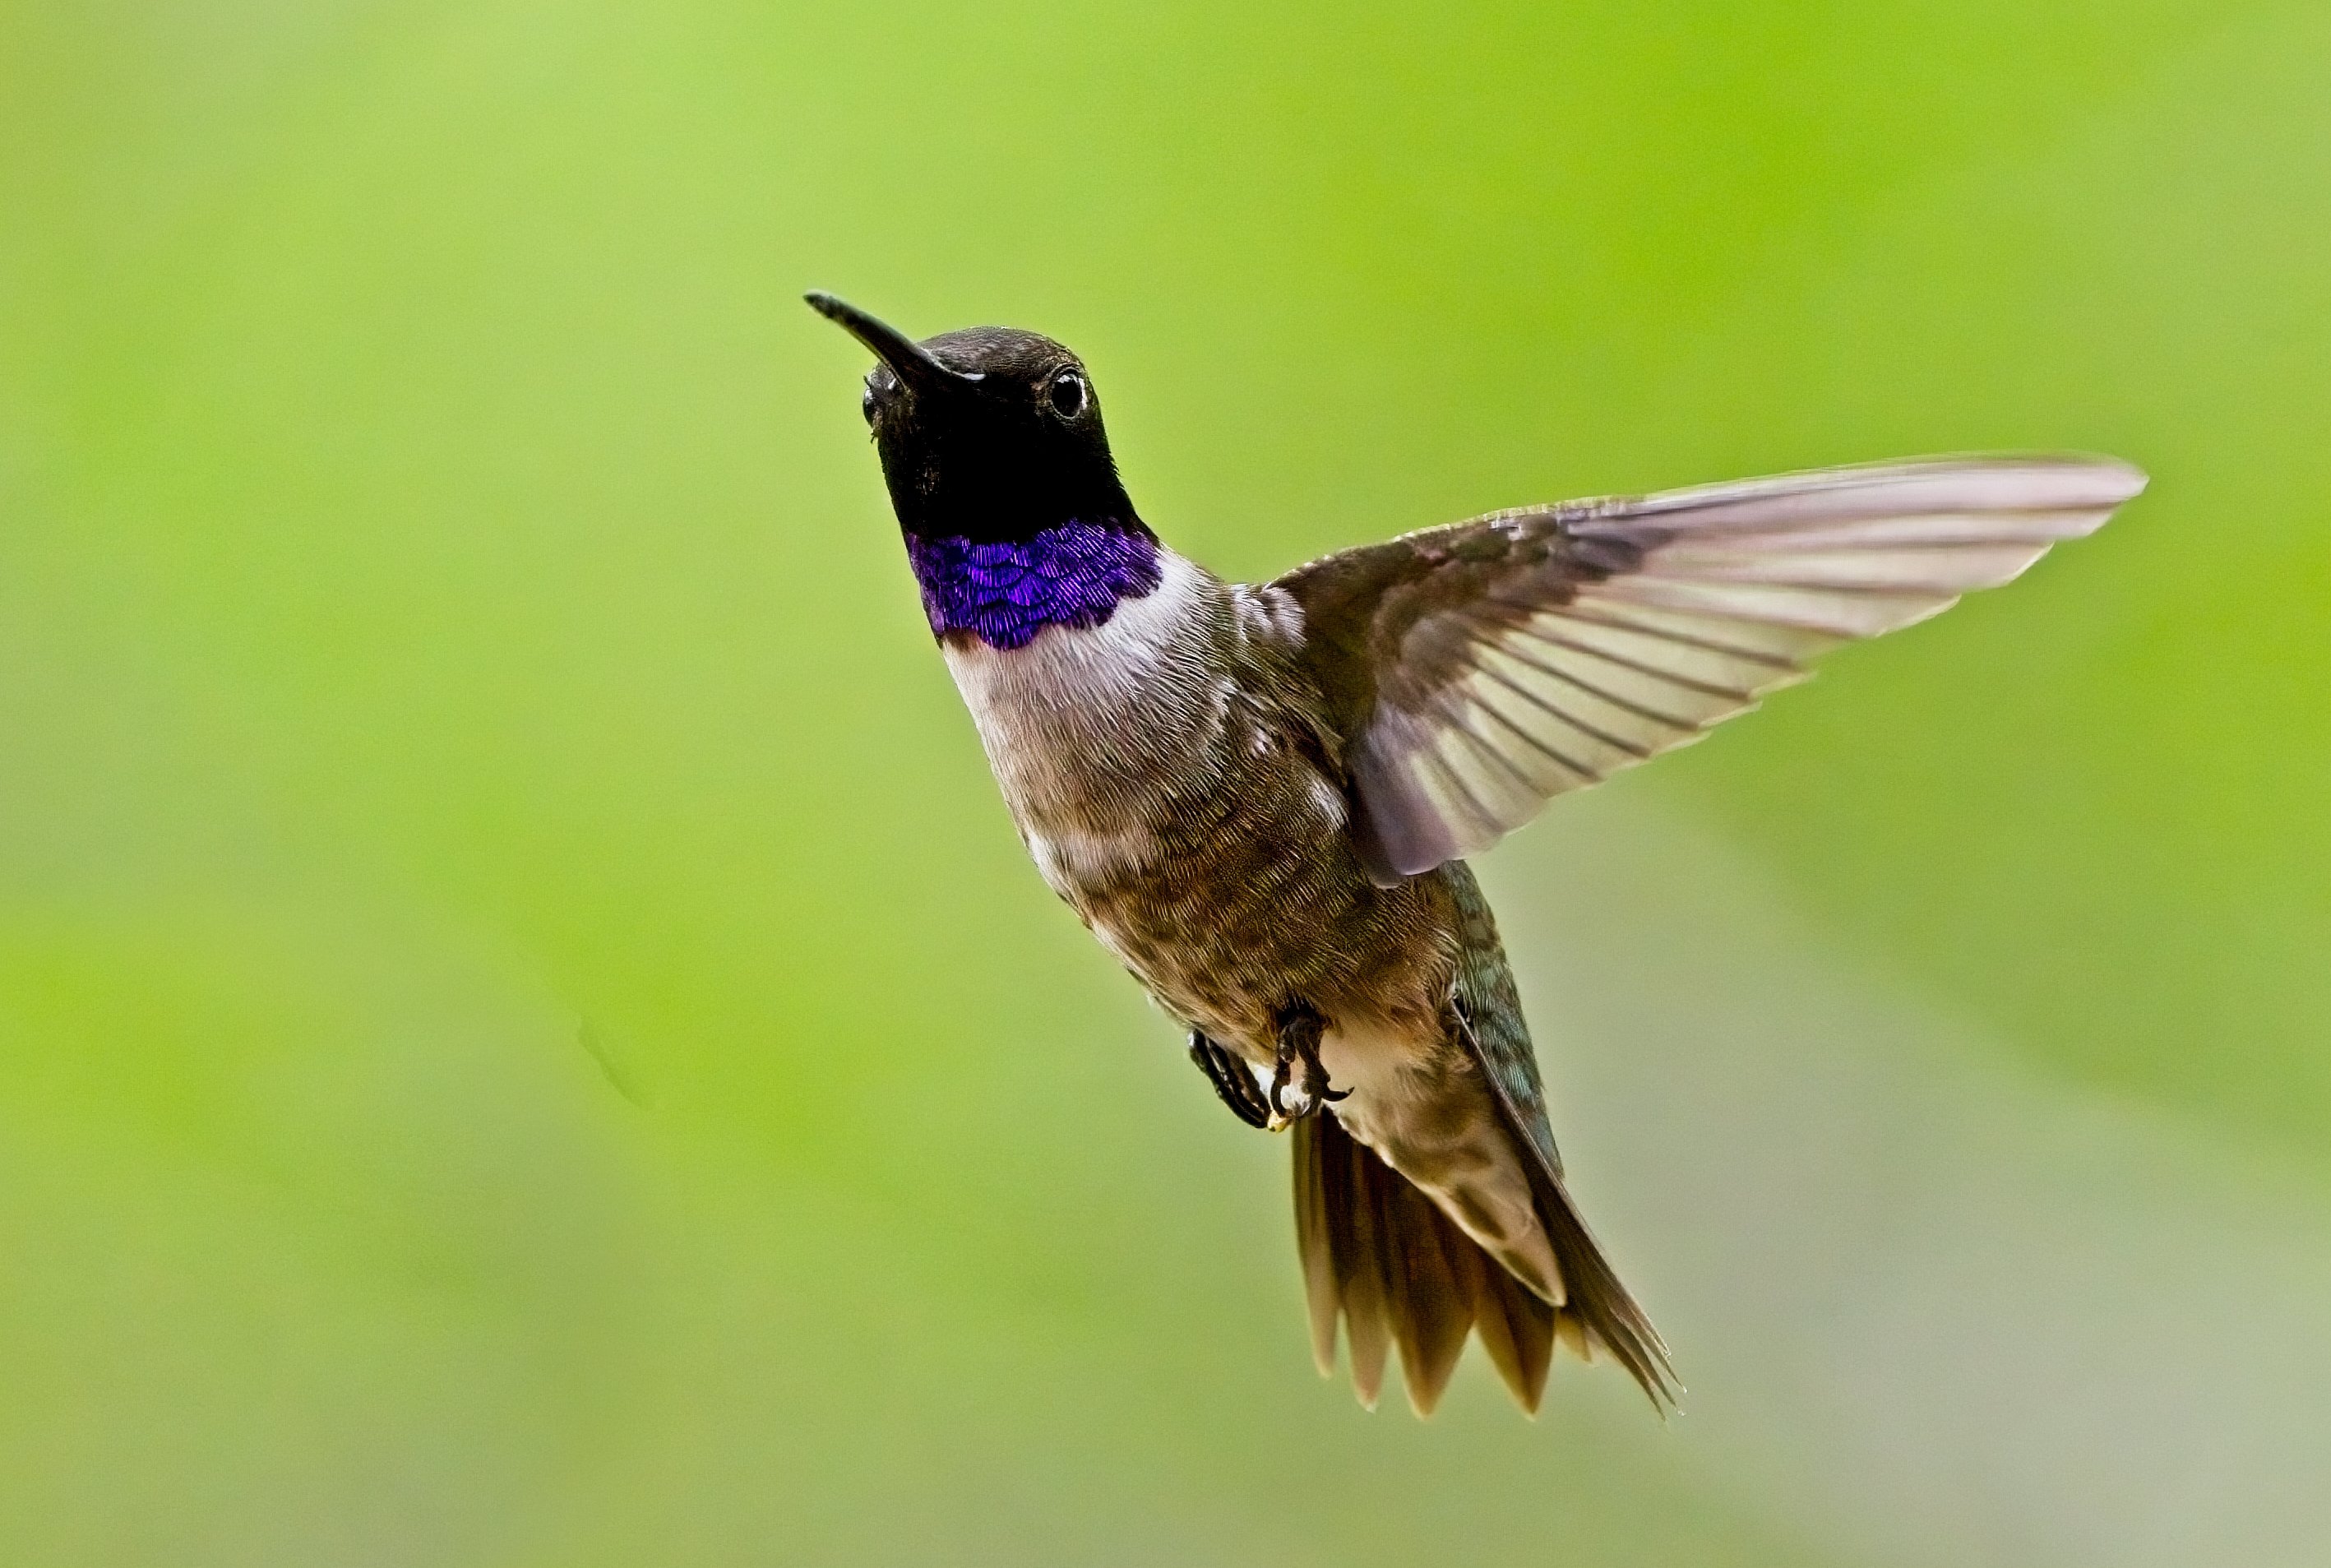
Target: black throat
x,y
994,436
981,475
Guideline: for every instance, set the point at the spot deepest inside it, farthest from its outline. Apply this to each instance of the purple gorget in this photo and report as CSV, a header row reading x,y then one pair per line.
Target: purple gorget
x,y
1005,593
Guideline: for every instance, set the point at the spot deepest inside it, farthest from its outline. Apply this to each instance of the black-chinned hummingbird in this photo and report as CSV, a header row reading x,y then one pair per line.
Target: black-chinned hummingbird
x,y
1258,795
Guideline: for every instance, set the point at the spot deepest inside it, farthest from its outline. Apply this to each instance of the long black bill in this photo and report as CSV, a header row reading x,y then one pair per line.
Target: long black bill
x,y
907,358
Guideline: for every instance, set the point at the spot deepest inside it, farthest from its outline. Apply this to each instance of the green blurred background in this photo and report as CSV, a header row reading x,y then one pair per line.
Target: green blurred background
x,y
525,1036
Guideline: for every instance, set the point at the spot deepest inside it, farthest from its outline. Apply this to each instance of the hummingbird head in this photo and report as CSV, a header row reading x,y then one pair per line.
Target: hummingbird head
x,y
988,434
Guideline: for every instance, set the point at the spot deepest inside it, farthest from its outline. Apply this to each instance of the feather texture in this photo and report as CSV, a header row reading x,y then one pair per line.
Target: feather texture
x,y
1485,667
1378,1252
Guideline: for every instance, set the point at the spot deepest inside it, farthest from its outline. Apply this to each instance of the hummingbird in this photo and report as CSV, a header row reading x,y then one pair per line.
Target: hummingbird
x,y
1260,796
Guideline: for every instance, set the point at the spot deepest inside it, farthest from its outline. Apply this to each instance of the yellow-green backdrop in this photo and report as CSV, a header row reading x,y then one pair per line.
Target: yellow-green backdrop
x,y
526,1039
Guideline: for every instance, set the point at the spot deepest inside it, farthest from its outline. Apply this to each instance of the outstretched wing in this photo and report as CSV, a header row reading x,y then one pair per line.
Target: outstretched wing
x,y
1482,668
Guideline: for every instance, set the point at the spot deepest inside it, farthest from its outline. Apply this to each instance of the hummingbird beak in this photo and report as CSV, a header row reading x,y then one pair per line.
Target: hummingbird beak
x,y
907,360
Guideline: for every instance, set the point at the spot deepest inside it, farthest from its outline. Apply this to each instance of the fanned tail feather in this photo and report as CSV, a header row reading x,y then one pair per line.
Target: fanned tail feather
x,y
1380,1256
1379,1253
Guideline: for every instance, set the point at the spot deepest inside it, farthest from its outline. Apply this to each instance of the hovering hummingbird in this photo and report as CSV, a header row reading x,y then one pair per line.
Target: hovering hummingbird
x,y
1258,796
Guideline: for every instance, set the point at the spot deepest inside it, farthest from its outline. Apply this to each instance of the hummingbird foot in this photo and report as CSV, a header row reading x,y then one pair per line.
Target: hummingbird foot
x,y
1232,1079
1299,1032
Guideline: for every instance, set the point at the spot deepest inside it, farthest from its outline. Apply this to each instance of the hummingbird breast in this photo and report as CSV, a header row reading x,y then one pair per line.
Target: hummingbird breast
x,y
1172,778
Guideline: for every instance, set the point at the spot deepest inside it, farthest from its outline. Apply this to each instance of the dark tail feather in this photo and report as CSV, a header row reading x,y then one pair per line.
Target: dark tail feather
x,y
1380,1253
1342,1233
1517,1331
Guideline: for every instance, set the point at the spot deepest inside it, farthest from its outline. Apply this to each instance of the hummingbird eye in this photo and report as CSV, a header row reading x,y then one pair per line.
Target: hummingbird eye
x,y
866,404
1068,395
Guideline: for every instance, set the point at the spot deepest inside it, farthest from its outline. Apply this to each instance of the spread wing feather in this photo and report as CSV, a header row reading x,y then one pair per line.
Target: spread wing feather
x,y
1482,668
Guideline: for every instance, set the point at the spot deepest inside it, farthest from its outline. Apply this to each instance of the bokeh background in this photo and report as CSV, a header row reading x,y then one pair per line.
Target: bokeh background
x,y
527,1038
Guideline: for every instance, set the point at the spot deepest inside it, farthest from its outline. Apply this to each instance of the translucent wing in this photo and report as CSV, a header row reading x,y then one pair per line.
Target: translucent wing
x,y
1482,668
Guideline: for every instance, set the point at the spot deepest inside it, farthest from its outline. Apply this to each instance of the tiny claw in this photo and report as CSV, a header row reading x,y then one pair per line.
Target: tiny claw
x,y
1298,1042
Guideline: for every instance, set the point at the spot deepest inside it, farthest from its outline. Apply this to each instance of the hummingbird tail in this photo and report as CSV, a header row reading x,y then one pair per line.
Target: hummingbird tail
x,y
1381,1255
1390,1259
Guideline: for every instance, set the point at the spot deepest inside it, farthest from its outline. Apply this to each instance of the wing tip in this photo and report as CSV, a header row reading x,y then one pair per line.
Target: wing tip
x,y
2094,478
2119,479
